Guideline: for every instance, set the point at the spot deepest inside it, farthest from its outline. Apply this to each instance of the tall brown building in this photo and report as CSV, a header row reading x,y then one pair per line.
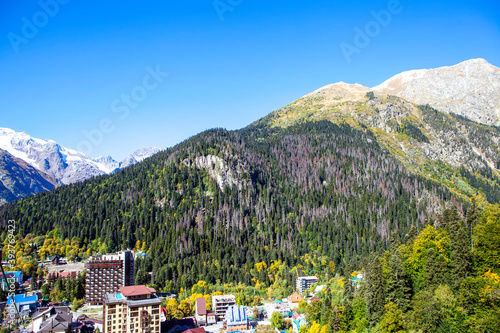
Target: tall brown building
x,y
107,273
135,309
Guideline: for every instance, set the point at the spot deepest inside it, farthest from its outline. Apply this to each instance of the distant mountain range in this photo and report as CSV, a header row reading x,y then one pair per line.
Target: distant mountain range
x,y
53,162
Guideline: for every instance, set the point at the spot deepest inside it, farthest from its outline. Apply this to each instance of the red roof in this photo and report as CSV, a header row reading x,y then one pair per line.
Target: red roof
x,y
195,330
201,306
136,291
295,298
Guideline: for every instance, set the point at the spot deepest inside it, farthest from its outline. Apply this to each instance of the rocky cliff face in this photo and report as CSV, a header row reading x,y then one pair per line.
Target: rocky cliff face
x,y
218,169
19,179
470,89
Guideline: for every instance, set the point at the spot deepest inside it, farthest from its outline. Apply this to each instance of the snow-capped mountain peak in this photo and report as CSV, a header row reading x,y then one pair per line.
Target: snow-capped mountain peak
x,y
64,164
138,156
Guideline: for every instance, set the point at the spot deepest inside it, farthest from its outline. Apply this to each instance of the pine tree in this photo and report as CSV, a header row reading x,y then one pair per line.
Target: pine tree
x,y
334,322
410,236
395,242
375,292
471,220
326,311
348,286
432,270
460,254
398,290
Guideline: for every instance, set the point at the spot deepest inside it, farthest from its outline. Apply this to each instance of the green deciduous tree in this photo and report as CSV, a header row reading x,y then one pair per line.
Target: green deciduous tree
x,y
277,320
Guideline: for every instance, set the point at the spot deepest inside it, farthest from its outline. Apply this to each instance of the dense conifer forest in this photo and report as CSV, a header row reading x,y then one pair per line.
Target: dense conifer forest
x,y
315,189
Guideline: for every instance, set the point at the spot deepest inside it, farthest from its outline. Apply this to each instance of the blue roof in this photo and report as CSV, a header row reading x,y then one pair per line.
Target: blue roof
x,y
17,274
236,315
21,299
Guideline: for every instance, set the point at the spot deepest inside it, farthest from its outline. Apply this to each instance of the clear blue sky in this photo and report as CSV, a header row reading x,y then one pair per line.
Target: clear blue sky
x,y
65,77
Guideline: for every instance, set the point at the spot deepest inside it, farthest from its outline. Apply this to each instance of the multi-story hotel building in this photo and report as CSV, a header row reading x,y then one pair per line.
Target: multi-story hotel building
x,y
107,273
304,283
133,309
220,304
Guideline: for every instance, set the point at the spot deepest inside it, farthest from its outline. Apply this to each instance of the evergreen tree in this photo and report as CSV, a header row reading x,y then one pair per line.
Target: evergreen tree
x,y
375,292
348,286
398,290
395,242
326,311
334,321
460,254
410,236
471,220
435,270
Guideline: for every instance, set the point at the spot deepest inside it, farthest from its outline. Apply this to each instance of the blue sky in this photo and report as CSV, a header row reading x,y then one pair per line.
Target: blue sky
x,y
229,62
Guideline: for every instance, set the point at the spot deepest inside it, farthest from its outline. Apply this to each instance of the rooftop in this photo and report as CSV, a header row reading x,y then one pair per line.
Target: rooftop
x,y
137,291
236,315
201,306
21,298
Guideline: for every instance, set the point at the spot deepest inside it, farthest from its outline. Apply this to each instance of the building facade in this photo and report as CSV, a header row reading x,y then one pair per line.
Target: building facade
x,y
133,309
200,313
236,319
304,283
220,304
106,274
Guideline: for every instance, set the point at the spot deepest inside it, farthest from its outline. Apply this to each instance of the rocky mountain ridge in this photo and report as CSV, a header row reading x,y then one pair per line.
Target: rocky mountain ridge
x,y
470,89
445,147
19,179
64,165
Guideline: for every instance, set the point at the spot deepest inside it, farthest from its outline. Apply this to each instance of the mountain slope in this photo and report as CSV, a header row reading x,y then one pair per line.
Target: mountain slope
x,y
18,179
461,154
65,165
470,89
222,201
332,176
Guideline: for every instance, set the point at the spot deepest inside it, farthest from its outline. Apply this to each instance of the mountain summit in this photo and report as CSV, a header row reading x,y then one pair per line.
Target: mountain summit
x,y
470,89
62,165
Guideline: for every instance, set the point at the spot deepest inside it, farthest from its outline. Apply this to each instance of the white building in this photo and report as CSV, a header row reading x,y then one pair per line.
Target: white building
x,y
278,306
220,304
305,282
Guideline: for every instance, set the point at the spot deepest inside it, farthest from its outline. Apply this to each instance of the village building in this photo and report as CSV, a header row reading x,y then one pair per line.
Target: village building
x,y
236,319
220,304
133,309
106,274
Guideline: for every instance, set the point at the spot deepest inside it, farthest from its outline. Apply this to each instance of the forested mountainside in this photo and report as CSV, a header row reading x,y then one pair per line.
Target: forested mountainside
x,y
216,204
450,149
19,179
